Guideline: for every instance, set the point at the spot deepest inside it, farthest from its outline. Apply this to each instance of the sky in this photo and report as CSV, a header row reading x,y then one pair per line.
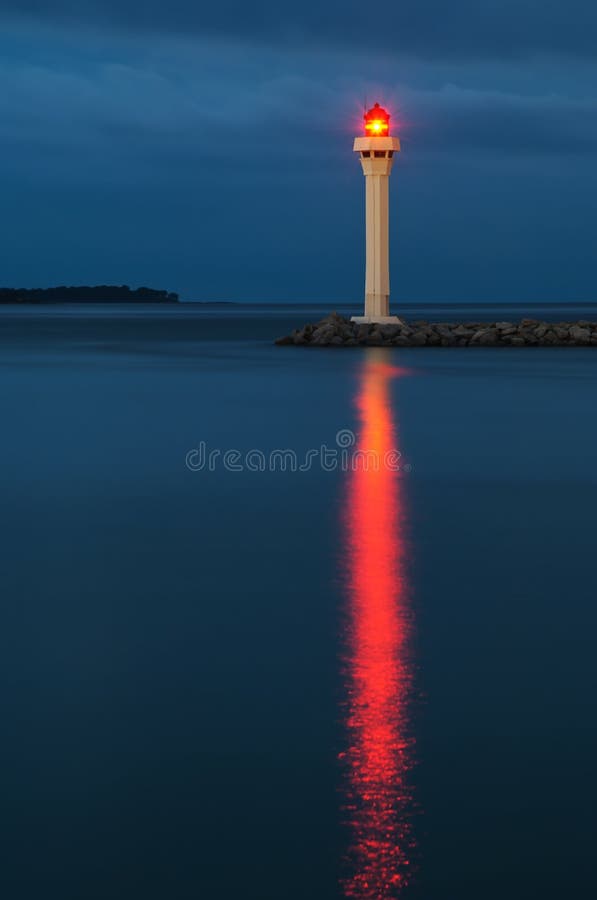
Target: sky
x,y
207,149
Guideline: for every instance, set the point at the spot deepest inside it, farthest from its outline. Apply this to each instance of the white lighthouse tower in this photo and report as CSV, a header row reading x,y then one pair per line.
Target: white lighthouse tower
x,y
377,151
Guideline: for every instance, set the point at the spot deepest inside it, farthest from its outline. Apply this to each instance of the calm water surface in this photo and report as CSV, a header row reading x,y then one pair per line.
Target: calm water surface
x,y
311,684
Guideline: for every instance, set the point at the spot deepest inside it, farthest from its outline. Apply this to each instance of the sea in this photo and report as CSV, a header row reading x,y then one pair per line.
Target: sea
x,y
282,623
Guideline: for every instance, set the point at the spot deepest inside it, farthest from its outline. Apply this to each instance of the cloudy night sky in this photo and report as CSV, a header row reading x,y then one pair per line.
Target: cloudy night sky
x,y
208,149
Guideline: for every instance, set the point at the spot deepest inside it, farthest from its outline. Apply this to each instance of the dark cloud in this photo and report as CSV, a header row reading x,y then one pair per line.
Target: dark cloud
x,y
127,111
512,125
424,28
143,150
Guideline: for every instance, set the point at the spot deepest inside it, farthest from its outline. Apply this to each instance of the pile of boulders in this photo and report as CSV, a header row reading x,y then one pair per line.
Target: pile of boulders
x,y
336,331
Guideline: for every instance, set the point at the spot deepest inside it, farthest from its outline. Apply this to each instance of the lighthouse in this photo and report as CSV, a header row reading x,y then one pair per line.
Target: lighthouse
x,y
376,150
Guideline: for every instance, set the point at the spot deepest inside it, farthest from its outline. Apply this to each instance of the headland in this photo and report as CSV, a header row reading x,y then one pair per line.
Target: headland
x,y
103,293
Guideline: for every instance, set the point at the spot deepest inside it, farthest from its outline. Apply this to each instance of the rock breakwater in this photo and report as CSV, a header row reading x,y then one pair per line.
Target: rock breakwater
x,y
336,331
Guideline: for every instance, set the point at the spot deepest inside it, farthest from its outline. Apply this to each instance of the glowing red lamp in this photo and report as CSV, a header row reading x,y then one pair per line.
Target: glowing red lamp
x,y
377,122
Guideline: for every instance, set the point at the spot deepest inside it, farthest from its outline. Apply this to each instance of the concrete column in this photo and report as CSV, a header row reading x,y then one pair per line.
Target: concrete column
x,y
377,269
377,159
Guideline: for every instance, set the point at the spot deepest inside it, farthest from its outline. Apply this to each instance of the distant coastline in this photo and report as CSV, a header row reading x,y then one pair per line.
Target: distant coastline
x,y
103,293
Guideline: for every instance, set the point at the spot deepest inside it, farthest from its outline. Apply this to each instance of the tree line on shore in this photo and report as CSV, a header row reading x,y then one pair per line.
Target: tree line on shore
x,y
102,293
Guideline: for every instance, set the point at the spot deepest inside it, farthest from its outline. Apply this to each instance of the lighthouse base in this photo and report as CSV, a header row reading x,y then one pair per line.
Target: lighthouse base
x,y
376,320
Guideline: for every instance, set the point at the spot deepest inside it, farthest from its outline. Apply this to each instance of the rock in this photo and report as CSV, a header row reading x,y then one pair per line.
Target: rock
x,y
462,331
550,337
517,341
488,338
334,322
389,332
323,331
580,335
418,339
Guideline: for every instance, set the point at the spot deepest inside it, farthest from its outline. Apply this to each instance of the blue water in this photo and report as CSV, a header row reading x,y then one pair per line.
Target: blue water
x,y
174,691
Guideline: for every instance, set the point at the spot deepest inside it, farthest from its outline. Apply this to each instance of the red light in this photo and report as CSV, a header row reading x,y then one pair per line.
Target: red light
x,y
377,122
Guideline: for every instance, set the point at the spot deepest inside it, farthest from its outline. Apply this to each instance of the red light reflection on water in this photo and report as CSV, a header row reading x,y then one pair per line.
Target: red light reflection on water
x,y
379,749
